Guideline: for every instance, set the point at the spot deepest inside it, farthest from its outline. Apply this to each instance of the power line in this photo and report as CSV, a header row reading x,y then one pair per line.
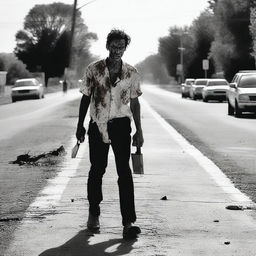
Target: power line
x,y
85,4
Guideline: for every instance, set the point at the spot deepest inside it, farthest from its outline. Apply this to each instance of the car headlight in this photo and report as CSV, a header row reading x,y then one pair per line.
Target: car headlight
x,y
243,97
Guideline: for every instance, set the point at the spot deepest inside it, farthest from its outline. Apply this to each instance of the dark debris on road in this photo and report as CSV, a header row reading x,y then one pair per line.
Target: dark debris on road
x,y
41,159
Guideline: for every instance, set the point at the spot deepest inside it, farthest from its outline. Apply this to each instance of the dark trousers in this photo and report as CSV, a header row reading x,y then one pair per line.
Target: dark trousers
x,y
119,130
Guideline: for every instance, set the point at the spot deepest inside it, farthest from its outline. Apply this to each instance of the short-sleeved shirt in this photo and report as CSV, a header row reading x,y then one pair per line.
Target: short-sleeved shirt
x,y
110,101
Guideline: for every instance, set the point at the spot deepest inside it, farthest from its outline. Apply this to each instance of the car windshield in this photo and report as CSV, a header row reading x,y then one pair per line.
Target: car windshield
x,y
201,82
216,83
24,83
247,82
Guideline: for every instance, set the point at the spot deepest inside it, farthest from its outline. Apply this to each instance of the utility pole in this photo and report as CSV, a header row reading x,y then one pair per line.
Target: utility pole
x,y
73,24
70,57
70,65
72,33
181,48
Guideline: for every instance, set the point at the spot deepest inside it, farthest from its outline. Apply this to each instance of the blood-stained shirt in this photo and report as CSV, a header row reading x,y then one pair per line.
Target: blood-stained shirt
x,y
110,101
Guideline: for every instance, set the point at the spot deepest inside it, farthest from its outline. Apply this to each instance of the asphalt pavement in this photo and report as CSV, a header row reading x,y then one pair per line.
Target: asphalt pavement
x,y
181,202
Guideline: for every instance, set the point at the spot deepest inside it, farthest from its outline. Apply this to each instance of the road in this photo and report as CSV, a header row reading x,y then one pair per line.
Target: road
x,y
228,141
34,127
38,126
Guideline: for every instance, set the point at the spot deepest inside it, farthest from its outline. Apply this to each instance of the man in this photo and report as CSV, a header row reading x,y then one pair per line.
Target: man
x,y
108,87
65,86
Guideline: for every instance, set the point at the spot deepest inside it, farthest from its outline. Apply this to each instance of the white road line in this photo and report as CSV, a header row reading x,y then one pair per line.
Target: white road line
x,y
219,177
50,196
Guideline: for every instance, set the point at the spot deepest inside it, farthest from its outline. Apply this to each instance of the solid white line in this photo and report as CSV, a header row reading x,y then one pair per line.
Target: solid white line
x,y
214,171
50,196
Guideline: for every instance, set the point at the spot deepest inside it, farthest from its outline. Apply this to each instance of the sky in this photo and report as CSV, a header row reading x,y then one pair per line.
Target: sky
x,y
144,20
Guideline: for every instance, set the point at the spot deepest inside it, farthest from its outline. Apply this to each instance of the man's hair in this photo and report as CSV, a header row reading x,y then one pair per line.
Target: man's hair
x,y
116,34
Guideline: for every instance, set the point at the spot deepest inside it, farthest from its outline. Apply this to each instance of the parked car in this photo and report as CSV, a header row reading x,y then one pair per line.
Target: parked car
x,y
215,89
185,87
27,89
241,95
196,88
240,73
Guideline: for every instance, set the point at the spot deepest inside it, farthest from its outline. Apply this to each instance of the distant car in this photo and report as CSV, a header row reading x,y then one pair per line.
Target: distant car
x,y
241,95
26,89
185,87
196,88
215,89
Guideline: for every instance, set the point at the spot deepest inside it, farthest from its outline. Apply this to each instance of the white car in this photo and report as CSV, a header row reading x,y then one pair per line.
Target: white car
x,y
196,88
26,89
215,89
241,95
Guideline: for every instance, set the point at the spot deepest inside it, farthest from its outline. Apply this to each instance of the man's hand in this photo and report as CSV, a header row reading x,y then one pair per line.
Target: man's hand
x,y
137,139
84,104
80,133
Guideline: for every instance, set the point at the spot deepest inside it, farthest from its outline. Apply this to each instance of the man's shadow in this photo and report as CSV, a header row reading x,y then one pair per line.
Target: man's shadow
x,y
79,246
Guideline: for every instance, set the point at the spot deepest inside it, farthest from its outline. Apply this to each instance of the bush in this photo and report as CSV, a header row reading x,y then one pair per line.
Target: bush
x,y
16,71
14,67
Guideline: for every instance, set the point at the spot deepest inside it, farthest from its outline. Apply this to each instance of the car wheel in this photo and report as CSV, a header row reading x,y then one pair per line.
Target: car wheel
x,y
182,95
205,99
14,99
230,109
194,97
238,112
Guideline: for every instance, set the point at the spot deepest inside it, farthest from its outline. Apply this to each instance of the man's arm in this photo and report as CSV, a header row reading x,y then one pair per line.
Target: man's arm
x,y
138,136
84,104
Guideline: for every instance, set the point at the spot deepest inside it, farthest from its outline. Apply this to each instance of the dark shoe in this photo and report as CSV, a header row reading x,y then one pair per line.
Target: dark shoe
x,y
130,232
93,223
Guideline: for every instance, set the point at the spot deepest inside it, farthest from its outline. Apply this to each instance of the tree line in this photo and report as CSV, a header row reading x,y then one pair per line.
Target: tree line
x,y
43,45
224,33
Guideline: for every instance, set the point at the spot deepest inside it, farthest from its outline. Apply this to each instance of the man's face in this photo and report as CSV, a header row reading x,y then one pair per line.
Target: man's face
x,y
116,49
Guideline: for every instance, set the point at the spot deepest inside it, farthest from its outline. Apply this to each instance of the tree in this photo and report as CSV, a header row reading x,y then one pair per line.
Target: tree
x,y
202,31
44,43
14,67
16,71
212,5
231,49
196,43
2,65
253,27
82,56
153,70
169,48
